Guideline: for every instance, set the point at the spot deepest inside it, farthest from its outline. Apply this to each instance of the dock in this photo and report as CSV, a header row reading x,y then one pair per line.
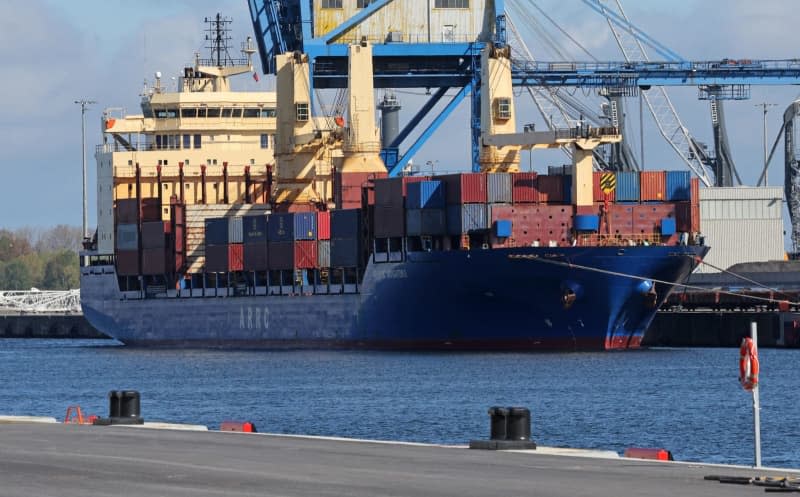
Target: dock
x,y
80,460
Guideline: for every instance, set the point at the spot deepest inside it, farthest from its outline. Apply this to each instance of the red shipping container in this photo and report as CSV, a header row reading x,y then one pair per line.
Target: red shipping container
x,y
348,186
524,188
154,261
126,210
323,225
465,188
695,217
127,262
683,217
551,188
177,238
235,257
653,186
695,191
602,181
293,207
305,254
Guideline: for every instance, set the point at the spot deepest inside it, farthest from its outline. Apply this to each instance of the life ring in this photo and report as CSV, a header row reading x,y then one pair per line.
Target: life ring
x,y
748,364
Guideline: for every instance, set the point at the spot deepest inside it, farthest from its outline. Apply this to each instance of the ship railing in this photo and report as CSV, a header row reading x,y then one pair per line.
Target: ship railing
x,y
618,240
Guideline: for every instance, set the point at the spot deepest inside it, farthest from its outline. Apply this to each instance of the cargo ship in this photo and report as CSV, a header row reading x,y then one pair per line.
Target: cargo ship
x,y
239,220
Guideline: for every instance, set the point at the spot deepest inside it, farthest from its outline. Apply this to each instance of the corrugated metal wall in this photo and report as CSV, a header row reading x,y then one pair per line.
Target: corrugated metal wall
x,y
410,21
741,224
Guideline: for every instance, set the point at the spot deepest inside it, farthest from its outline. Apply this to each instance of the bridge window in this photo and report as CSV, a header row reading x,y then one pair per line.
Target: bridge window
x,y
227,112
197,141
237,113
269,112
301,111
252,112
188,112
361,4
166,113
264,140
331,4
451,4
187,141
212,112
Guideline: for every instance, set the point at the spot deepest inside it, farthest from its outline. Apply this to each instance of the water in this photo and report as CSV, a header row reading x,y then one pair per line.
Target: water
x,y
685,400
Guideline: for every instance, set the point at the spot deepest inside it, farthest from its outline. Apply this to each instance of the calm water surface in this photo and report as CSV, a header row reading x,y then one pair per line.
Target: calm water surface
x,y
685,400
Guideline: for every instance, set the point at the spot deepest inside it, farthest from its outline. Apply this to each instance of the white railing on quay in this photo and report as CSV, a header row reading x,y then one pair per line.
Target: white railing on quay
x,y
40,302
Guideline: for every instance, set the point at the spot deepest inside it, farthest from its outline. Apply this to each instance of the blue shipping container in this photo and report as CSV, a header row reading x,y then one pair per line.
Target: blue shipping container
x,y
678,185
668,226
426,222
425,195
567,189
254,228
466,218
345,252
290,226
346,223
217,231
627,186
502,228
586,222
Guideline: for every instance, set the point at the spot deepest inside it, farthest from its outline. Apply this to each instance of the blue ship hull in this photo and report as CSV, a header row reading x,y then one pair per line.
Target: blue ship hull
x,y
500,299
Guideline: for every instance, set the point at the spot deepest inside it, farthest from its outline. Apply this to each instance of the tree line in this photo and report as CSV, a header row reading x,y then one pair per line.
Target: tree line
x,y
46,259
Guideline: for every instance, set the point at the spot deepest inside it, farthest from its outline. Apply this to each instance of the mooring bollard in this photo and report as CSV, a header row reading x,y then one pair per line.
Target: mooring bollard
x,y
509,429
124,408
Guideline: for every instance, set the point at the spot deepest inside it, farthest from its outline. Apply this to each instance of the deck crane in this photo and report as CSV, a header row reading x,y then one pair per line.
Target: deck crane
x,y
299,26
630,41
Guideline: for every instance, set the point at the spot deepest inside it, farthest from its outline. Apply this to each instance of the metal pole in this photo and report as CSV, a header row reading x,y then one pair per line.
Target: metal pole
x,y
765,106
756,405
84,103
641,129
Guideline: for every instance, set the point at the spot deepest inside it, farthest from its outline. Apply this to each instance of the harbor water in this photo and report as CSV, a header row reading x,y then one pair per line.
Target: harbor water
x,y
685,400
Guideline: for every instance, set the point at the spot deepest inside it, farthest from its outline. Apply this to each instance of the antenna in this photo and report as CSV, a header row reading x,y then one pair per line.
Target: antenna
x,y
217,36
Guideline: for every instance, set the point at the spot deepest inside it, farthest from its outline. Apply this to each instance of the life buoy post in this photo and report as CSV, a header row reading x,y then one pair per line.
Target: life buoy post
x,y
748,377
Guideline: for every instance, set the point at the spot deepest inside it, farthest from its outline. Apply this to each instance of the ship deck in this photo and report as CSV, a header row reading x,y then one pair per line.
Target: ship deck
x,y
79,460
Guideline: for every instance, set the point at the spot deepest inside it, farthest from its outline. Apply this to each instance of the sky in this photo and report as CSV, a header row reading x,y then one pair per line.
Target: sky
x,y
56,52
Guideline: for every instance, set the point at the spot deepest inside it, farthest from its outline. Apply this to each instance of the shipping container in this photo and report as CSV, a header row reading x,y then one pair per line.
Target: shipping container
x,y
255,256
154,261
254,229
567,189
153,236
627,186
425,195
695,191
235,257
300,254
290,226
652,186
498,188
346,252
216,231
324,253
126,210
391,192
678,185
524,188
348,188
390,222
428,222
127,262
465,188
467,218
235,229
551,189
346,223
604,186
683,217
127,237
216,258
324,225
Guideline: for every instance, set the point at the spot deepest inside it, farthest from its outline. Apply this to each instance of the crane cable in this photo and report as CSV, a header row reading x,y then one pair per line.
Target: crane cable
x,y
536,258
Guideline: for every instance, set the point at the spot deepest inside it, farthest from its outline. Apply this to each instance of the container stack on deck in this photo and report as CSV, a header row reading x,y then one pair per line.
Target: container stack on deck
x,y
456,211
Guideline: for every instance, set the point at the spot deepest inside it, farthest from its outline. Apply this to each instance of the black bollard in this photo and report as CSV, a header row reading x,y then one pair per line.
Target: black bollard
x,y
130,406
114,400
498,420
123,409
519,424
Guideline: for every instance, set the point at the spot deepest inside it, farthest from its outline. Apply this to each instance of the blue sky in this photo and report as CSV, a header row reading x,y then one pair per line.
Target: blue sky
x,y
56,52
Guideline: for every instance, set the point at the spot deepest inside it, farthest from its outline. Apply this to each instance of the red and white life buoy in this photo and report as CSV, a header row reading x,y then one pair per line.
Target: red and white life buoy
x,y
748,364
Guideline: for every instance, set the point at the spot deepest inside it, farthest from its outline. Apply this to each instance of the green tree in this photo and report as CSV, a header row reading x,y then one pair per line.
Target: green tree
x,y
61,272
17,276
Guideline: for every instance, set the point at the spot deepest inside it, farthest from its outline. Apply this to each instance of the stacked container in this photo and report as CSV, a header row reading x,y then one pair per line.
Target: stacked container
x,y
224,251
525,188
154,247
129,215
467,197
425,208
653,186
604,186
254,232
346,245
348,188
551,189
324,239
498,188
292,240
389,213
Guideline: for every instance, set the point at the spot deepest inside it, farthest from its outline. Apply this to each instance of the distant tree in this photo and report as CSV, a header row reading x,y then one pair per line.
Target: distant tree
x,y
35,263
61,272
12,246
58,238
16,276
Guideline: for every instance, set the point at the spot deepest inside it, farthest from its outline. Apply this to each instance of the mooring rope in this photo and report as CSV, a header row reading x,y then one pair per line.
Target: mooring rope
x,y
571,265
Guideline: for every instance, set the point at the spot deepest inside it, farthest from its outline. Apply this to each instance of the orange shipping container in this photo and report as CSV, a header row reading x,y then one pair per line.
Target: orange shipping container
x,y
695,191
653,186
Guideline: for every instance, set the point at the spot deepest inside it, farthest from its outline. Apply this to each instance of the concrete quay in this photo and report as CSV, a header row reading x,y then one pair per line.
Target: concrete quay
x,y
81,460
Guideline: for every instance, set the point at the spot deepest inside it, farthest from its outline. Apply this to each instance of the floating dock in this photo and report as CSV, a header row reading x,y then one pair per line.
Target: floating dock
x,y
80,460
